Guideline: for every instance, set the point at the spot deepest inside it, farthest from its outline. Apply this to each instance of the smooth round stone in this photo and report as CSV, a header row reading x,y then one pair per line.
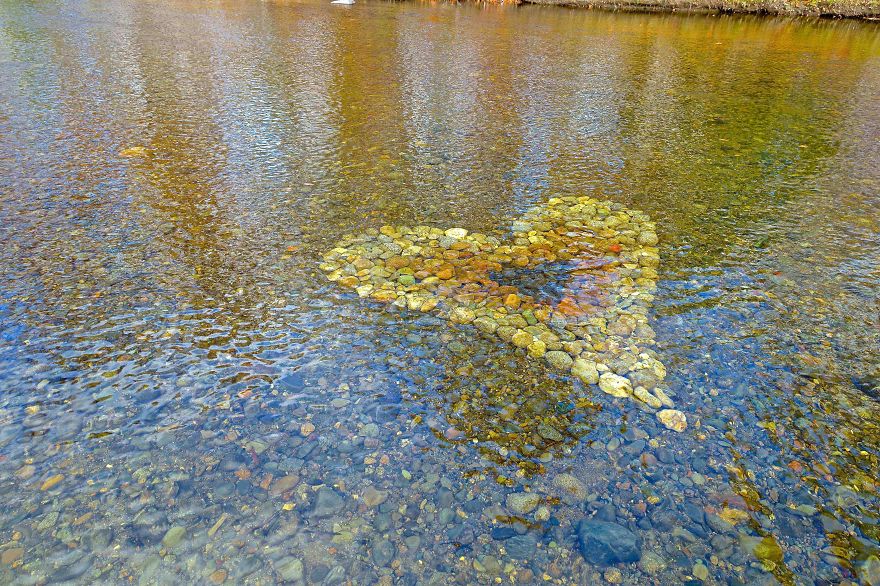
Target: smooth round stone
x,y
502,533
383,552
456,233
558,360
174,536
523,503
585,370
521,339
291,569
462,315
651,563
486,325
572,488
537,349
648,238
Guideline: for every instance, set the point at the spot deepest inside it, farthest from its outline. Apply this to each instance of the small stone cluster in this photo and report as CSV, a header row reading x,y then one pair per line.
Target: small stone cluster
x,y
598,331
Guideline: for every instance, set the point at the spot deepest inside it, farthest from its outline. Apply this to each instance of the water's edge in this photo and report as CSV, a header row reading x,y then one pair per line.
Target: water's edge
x,y
868,10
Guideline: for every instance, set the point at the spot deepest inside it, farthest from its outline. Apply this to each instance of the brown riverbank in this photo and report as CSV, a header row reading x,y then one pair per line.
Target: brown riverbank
x,y
868,9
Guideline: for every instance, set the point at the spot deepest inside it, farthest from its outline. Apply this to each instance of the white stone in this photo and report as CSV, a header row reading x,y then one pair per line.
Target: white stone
x,y
615,385
672,419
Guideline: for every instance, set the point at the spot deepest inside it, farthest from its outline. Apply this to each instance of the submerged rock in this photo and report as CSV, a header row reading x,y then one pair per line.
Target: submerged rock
x,y
603,543
572,489
615,385
523,503
521,547
328,502
672,419
585,370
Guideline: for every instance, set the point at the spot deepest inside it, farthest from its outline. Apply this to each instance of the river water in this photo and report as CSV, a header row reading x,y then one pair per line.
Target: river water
x,y
186,398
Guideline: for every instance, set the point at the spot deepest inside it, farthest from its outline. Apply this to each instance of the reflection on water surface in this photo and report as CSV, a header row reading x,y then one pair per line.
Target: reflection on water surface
x,y
186,398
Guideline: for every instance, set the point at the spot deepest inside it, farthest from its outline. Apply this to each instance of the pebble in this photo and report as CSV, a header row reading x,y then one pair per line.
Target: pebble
x,y
571,487
283,484
585,370
672,419
615,385
174,536
290,569
651,563
369,430
12,555
502,533
523,503
327,502
462,315
558,360
700,572
383,552
51,482
549,432
521,339
642,394
373,497
613,576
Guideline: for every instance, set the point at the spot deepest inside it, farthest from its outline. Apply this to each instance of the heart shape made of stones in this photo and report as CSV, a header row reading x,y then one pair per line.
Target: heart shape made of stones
x,y
598,330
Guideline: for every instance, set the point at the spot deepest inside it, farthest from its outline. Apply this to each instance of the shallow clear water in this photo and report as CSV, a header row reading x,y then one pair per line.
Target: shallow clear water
x,y
186,398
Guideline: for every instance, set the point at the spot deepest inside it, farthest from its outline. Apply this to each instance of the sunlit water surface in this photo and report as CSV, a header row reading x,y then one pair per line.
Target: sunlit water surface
x,y
186,399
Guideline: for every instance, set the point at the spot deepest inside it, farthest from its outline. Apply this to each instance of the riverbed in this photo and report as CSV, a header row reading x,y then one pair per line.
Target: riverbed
x,y
188,396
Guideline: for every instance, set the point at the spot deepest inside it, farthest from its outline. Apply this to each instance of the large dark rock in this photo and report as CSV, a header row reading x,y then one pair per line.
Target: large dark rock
x,y
602,543
521,547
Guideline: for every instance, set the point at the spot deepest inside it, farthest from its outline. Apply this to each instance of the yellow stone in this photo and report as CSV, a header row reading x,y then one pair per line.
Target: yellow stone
x,y
52,481
521,339
733,516
537,349
672,419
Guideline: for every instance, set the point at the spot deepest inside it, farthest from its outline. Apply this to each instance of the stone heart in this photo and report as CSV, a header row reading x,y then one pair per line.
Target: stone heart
x,y
595,328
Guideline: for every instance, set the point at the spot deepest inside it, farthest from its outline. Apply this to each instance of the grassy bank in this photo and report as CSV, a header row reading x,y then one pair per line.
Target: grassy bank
x,y
828,8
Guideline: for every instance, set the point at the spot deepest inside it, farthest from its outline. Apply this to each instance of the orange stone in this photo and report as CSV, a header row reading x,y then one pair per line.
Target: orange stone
x,y
396,262
569,306
446,271
512,301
